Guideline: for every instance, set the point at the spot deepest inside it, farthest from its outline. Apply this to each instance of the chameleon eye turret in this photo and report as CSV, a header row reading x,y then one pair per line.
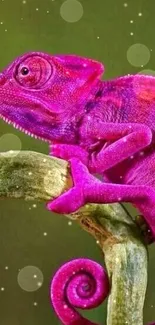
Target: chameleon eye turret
x,y
33,72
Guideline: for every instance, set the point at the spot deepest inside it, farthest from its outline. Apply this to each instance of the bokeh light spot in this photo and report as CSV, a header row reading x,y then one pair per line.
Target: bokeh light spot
x,y
71,11
30,278
10,142
138,55
148,72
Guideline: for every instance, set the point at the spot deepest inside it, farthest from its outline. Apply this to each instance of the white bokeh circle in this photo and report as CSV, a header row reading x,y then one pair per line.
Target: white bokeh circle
x,y
71,11
10,142
30,278
147,72
138,55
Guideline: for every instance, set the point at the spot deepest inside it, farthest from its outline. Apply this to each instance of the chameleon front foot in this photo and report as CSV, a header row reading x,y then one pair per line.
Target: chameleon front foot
x,y
74,198
88,189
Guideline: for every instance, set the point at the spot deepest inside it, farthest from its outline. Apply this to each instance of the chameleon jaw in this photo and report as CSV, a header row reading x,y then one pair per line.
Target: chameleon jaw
x,y
18,127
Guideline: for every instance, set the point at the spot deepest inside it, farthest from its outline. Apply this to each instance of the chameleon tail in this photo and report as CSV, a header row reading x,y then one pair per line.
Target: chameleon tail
x,y
80,283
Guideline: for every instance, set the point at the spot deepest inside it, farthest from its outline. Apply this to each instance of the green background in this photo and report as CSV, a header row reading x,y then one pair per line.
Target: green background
x,y
104,33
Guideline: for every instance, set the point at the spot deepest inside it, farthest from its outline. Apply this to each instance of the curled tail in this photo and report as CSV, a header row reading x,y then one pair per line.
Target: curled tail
x,y
80,283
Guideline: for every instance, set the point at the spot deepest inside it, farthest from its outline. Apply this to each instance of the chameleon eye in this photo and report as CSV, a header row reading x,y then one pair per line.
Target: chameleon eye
x,y
33,72
24,71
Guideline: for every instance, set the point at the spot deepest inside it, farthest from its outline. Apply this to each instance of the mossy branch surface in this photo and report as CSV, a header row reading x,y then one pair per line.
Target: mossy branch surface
x,y
35,176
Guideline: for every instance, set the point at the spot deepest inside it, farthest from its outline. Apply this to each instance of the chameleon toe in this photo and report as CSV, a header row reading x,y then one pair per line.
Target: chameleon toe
x,y
68,202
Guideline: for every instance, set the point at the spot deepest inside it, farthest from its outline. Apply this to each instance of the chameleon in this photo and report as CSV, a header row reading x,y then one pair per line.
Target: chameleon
x,y
104,127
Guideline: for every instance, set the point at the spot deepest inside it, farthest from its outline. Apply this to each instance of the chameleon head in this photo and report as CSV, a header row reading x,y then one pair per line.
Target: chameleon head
x,y
44,95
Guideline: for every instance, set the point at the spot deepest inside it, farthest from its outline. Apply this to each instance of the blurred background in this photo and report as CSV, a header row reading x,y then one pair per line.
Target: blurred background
x,y
33,241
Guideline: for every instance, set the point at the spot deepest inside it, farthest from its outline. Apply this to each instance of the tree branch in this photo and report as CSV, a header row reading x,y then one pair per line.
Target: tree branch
x,y
35,176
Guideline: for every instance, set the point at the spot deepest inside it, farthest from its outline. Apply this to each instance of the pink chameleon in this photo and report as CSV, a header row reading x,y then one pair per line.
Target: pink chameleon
x,y
103,127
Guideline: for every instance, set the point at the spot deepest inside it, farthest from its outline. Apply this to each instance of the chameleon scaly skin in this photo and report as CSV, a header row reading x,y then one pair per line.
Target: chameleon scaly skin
x,y
80,283
104,127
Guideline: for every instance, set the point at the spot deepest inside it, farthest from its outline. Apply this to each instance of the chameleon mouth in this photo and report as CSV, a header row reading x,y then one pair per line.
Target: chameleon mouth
x,y
22,129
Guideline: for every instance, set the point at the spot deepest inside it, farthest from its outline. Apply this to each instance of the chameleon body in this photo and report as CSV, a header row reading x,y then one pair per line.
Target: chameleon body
x,y
103,127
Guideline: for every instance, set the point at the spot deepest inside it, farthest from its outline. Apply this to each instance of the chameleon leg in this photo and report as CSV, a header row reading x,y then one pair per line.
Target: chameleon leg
x,y
88,189
75,195
129,138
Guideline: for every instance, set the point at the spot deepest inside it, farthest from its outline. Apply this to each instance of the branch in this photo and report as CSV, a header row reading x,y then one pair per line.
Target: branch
x,y
35,176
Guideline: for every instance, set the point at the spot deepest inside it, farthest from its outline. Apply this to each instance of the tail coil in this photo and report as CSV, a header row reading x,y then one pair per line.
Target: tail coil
x,y
80,283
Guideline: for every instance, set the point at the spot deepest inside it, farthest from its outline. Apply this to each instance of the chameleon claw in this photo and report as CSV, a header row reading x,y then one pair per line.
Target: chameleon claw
x,y
74,198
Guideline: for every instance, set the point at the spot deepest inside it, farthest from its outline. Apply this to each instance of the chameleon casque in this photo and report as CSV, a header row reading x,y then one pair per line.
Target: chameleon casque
x,y
102,127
